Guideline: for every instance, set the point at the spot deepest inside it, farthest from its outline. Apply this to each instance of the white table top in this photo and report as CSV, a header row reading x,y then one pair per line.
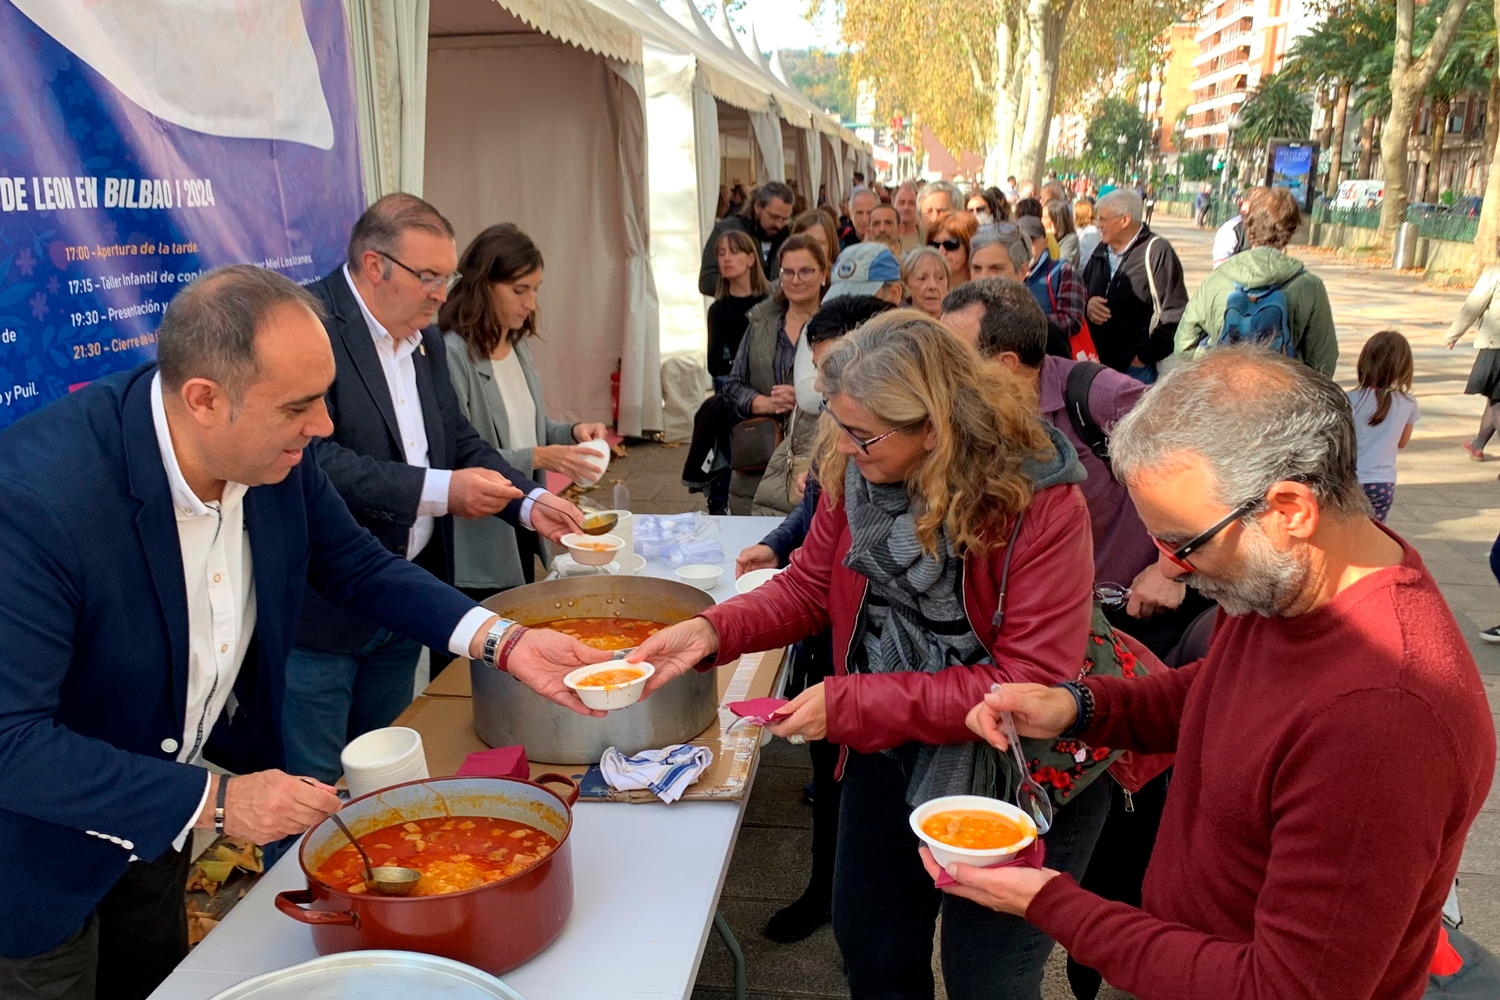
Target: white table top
x,y
646,883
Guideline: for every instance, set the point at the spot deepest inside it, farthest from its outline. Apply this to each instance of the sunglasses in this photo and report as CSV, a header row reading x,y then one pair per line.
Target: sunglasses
x,y
1178,557
864,444
949,244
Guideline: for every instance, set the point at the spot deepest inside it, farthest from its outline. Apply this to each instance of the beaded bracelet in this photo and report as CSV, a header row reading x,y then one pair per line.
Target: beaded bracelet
x,y
1083,698
502,662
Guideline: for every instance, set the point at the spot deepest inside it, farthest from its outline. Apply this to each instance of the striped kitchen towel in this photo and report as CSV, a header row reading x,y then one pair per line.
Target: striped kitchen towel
x,y
666,772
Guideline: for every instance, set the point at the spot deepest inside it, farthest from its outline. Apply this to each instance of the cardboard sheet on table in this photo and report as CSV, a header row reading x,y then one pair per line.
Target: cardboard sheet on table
x,y
444,716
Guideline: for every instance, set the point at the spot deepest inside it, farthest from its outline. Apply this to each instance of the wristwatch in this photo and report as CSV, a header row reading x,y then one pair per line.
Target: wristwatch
x,y
491,652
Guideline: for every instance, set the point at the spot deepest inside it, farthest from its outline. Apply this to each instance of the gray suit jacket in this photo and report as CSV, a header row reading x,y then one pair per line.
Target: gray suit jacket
x,y
484,550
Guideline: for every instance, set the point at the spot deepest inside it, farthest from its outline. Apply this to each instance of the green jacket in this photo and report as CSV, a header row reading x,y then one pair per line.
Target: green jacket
x,y
1307,300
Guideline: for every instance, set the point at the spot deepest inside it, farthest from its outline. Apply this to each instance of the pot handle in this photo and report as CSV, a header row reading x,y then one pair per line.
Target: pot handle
x,y
553,778
289,903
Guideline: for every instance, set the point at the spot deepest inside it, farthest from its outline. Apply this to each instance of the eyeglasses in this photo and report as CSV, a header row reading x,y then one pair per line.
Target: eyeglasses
x,y
949,244
1178,556
801,273
864,443
429,282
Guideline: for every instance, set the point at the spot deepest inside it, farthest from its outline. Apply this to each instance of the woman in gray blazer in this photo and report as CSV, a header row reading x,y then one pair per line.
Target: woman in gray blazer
x,y
1481,312
486,320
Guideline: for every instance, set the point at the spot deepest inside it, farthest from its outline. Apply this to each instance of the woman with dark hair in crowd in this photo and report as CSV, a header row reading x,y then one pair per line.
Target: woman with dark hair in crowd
x,y
1057,222
816,224
942,491
486,321
742,283
760,381
985,207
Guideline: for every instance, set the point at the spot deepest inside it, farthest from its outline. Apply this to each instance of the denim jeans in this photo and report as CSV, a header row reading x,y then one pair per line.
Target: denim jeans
x,y
885,906
333,697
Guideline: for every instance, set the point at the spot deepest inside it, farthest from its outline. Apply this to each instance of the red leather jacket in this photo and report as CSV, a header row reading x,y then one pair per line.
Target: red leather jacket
x,y
1048,602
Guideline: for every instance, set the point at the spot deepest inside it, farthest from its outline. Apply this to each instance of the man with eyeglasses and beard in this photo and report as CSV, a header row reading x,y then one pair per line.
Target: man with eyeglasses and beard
x,y
1332,748
405,460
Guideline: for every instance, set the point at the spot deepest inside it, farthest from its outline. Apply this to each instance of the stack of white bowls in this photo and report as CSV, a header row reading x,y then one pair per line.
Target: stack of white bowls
x,y
382,758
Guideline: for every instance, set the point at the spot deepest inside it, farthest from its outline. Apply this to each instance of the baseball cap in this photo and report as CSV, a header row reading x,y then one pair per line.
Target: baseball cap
x,y
862,269
1031,227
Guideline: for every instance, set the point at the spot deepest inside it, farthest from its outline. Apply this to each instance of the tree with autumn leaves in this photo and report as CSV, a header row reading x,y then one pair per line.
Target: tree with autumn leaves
x,y
989,74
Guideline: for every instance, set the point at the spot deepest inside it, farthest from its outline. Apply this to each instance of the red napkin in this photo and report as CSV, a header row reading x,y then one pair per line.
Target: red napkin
x,y
501,762
1031,857
761,711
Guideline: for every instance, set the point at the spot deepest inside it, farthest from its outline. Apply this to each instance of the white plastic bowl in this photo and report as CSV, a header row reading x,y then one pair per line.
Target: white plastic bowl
x,y
947,854
703,577
753,579
601,448
592,550
608,699
382,758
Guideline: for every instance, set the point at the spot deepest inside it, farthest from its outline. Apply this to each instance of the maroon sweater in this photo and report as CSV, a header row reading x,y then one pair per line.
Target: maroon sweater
x,y
1328,767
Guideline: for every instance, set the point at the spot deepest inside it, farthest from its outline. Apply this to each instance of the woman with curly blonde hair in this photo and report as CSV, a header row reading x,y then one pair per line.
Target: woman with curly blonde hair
x,y
951,550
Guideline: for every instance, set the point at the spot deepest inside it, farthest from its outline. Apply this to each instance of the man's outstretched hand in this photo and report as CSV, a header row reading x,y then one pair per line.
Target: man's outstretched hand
x,y
543,657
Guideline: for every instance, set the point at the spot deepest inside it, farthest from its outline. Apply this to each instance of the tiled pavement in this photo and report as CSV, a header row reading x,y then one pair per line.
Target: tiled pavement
x,y
1447,506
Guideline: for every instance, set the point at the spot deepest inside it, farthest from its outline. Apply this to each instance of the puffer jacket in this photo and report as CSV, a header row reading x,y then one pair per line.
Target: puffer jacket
x,y
1311,318
1048,602
1479,309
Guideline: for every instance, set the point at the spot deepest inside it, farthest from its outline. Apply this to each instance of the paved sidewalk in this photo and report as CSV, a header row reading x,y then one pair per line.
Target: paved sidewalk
x,y
1446,505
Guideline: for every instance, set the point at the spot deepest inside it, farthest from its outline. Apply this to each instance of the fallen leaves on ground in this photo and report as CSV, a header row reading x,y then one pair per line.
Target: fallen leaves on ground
x,y
199,924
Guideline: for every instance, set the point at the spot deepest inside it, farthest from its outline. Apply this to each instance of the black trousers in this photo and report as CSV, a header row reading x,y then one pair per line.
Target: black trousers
x,y
885,906
128,945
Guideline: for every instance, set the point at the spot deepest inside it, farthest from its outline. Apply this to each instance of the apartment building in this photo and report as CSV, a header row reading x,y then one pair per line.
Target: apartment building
x,y
1168,91
1239,42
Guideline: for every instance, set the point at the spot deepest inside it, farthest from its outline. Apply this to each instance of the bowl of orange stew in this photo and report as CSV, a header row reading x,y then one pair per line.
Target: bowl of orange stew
x,y
592,550
610,686
496,870
972,829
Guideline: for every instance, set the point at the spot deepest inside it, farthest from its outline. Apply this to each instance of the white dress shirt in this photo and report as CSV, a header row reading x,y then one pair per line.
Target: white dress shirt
x,y
219,575
401,377
220,583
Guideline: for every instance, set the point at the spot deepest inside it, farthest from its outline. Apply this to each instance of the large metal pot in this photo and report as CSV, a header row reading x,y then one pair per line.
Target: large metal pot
x,y
495,927
507,712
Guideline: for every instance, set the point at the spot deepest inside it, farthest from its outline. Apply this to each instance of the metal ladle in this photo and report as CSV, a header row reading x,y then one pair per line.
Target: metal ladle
x,y
593,523
388,880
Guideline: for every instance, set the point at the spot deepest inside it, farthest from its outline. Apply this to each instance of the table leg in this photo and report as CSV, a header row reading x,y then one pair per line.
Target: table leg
x,y
735,954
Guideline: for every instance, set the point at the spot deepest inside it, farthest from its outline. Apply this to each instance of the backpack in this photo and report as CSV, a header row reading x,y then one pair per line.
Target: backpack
x,y
1076,401
1259,315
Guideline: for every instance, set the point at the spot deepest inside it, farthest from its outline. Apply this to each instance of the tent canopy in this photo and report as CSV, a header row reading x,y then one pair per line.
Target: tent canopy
x,y
533,119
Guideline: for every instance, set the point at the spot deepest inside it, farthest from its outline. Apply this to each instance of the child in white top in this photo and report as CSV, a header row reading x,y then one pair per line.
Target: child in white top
x,y
1384,412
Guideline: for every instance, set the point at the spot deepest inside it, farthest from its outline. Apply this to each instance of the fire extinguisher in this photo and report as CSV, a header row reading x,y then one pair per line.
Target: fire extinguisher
x,y
614,394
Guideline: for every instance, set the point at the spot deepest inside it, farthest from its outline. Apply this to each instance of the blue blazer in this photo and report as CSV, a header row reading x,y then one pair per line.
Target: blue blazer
x,y
94,644
366,462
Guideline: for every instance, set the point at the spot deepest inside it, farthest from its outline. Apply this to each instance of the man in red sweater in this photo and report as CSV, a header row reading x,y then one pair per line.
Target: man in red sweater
x,y
1331,749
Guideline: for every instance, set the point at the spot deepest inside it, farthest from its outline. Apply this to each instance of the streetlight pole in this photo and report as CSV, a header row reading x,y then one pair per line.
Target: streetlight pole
x,y
1232,126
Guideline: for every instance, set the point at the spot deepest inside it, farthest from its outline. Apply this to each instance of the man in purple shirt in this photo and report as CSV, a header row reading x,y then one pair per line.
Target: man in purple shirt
x,y
1001,318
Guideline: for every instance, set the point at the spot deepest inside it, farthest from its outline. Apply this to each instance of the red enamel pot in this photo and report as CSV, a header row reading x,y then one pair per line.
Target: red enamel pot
x,y
495,927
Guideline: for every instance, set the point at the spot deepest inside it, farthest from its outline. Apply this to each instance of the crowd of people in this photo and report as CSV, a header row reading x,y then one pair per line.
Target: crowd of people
x,y
1048,480
1025,475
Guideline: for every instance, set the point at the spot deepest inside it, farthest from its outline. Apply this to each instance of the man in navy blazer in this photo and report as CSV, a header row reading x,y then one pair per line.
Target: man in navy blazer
x,y
406,461
156,531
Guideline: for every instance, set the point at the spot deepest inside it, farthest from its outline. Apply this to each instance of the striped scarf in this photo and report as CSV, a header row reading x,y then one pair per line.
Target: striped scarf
x,y
914,615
